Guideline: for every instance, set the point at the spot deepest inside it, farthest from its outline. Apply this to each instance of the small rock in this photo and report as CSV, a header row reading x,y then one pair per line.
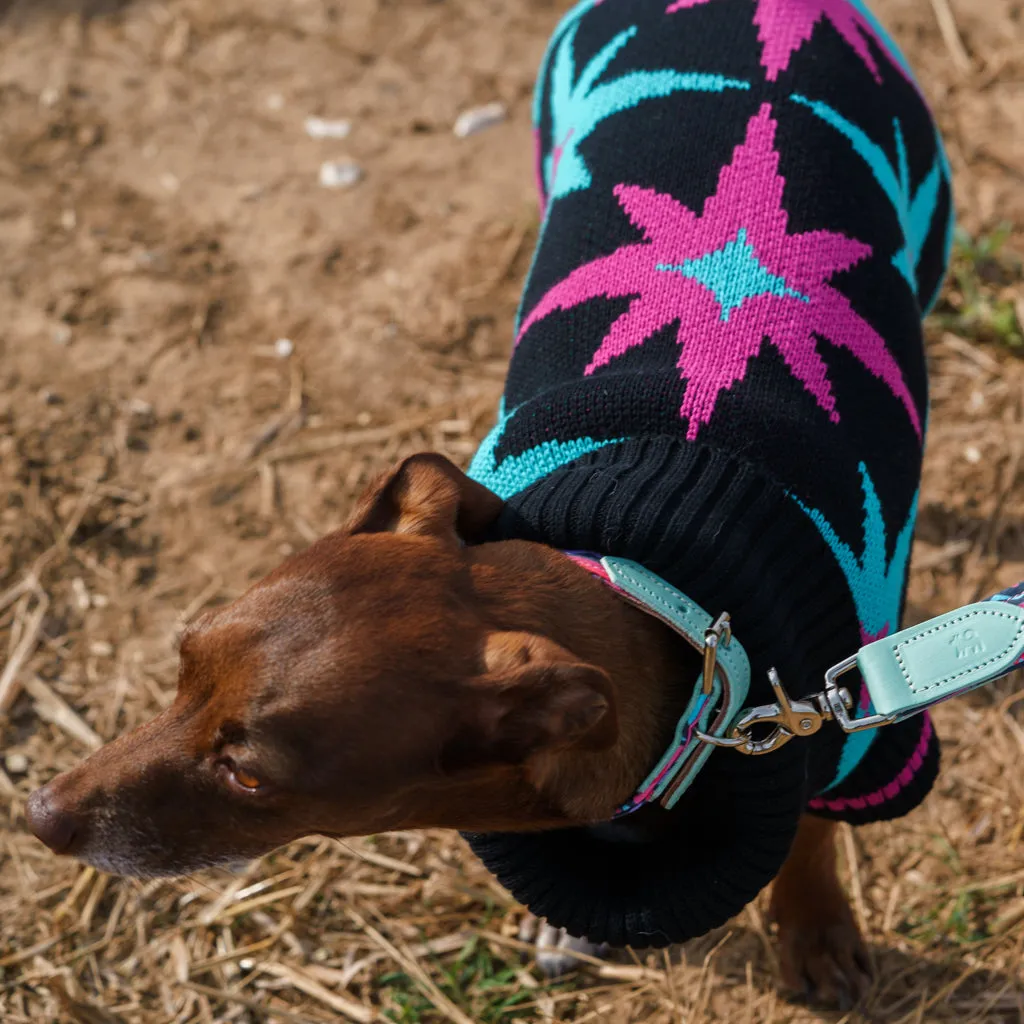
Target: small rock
x,y
283,348
50,96
339,174
176,45
141,410
972,454
246,964
275,101
101,648
89,135
321,128
982,829
48,397
69,220
81,593
478,119
150,259
61,335
170,181
16,763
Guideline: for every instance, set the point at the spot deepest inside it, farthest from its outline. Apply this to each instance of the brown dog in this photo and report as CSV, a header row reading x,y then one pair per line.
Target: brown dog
x,y
397,675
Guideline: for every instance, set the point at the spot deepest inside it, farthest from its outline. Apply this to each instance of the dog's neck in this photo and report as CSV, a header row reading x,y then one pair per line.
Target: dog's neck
x,y
535,589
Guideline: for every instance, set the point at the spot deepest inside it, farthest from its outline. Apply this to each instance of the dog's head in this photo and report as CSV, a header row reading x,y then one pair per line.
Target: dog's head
x,y
387,677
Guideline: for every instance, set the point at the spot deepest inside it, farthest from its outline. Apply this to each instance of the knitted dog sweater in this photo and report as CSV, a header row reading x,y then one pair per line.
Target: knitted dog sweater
x,y
719,369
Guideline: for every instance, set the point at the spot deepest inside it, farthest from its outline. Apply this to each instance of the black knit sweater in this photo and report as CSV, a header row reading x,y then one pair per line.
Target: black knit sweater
x,y
719,373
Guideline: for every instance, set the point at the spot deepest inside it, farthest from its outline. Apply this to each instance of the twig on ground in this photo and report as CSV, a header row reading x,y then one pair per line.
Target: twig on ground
x,y
256,1005
412,967
10,684
202,599
853,866
304,983
351,438
941,556
951,36
53,709
360,852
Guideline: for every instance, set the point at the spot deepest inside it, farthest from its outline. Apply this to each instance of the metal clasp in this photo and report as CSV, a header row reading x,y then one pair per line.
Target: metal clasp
x,y
718,633
793,717
790,718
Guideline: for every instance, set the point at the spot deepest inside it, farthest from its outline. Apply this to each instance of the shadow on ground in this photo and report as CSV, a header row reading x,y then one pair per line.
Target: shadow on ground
x,y
906,986
15,11
938,523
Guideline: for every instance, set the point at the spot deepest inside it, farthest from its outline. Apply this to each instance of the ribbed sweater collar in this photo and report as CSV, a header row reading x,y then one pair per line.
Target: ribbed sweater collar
x,y
714,527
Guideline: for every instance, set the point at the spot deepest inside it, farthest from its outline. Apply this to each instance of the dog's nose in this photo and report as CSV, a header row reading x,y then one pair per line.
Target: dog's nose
x,y
52,824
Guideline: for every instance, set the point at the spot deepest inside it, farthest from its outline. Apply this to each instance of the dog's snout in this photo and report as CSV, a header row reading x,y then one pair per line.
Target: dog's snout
x,y
56,826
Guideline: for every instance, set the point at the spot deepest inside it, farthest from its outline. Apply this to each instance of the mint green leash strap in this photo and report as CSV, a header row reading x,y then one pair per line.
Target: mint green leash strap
x,y
911,670
905,674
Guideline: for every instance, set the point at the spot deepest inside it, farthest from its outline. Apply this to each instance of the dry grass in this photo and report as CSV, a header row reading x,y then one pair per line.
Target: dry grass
x,y
175,459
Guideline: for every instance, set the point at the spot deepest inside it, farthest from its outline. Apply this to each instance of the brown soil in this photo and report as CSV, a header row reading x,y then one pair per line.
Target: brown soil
x,y
161,226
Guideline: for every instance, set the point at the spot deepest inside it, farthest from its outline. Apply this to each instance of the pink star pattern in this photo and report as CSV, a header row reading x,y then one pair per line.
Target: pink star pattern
x,y
731,278
783,26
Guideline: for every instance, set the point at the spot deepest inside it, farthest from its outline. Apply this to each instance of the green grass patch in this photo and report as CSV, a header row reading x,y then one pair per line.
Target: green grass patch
x,y
984,301
485,986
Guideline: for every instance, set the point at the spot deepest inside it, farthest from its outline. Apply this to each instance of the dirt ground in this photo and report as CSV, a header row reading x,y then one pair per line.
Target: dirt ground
x,y
161,228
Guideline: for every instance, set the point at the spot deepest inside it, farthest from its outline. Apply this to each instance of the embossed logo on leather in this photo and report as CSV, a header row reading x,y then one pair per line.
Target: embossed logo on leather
x,y
966,643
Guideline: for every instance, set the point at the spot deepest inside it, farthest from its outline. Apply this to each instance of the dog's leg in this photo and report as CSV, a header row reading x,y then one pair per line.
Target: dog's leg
x,y
821,952
555,946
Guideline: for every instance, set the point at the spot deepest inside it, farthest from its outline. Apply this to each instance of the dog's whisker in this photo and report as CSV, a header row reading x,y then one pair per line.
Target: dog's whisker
x,y
196,880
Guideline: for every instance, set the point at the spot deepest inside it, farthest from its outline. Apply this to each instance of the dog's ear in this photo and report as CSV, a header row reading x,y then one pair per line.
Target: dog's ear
x,y
429,495
535,698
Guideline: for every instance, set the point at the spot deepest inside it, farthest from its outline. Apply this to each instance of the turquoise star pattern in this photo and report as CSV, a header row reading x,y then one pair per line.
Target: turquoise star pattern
x,y
579,104
517,472
915,210
876,583
734,274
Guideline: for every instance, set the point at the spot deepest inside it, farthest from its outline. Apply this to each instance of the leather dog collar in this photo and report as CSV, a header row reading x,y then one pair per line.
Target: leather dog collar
x,y
718,694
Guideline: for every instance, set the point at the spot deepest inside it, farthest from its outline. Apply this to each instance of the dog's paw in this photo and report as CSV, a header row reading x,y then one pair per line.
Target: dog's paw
x,y
823,958
555,947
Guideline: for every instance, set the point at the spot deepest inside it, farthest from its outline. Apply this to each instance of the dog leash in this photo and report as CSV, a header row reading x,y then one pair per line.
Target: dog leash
x,y
904,673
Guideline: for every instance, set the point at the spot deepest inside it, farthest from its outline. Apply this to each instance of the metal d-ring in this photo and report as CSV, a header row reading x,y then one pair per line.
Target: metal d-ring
x,y
719,741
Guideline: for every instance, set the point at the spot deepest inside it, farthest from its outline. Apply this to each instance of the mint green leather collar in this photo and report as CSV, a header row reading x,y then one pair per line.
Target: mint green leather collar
x,y
713,707
718,694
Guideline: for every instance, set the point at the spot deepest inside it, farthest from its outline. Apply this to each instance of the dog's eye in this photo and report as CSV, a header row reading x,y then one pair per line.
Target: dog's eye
x,y
240,776
246,779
